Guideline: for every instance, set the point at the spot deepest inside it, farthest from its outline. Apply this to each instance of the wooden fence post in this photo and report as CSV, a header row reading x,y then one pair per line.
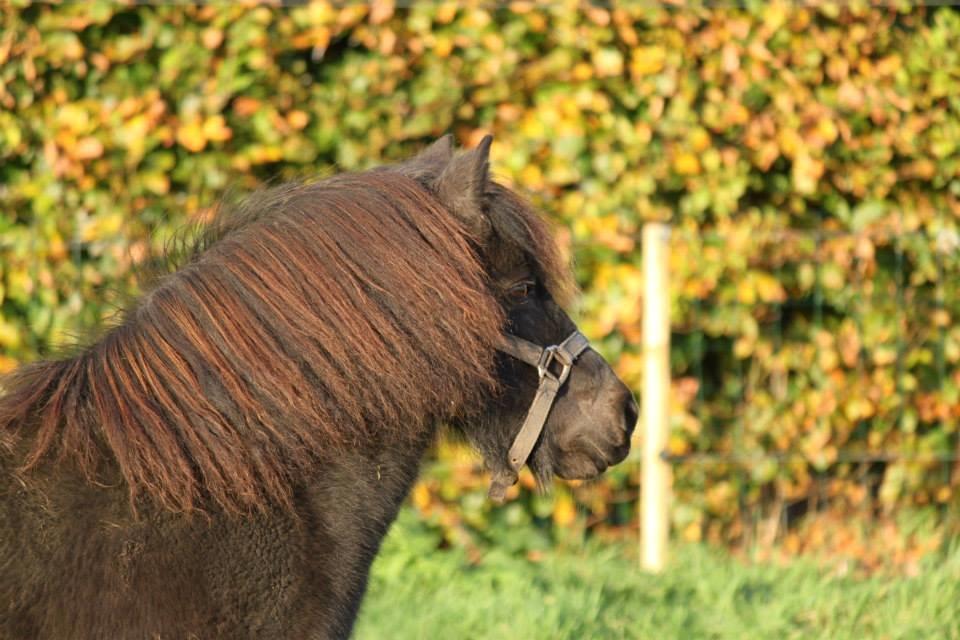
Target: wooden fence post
x,y
655,482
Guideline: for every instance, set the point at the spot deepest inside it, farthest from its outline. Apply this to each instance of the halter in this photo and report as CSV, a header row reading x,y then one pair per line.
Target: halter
x,y
545,359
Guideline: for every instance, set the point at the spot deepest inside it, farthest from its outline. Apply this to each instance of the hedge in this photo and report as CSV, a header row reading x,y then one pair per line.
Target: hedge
x,y
807,158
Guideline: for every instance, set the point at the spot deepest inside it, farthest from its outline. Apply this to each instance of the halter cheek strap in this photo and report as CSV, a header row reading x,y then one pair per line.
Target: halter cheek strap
x,y
553,365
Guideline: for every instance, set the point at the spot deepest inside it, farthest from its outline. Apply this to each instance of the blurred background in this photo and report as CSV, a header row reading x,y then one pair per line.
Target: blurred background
x,y
806,158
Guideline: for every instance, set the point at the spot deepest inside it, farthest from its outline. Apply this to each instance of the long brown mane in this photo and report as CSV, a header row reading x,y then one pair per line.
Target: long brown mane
x,y
310,319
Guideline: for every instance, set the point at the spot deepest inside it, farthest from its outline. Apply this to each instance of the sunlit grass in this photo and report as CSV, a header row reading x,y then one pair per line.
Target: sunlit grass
x,y
597,591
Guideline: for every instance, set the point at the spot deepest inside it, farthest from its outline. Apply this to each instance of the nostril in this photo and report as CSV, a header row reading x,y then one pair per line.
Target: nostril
x,y
631,412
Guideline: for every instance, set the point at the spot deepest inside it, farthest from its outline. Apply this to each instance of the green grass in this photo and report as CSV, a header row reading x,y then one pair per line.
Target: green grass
x,y
596,591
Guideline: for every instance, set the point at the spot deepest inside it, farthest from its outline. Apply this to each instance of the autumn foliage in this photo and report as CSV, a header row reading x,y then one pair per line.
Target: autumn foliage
x,y
808,158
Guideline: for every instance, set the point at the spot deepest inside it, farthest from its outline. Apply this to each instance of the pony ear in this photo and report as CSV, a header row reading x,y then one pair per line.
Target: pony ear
x,y
440,152
462,184
429,163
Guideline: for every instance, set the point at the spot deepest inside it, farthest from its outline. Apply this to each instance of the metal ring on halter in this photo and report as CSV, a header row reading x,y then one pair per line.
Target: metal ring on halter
x,y
549,355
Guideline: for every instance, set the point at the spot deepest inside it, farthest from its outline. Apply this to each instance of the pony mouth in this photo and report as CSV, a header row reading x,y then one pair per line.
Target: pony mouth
x,y
585,468
584,475
620,453
589,464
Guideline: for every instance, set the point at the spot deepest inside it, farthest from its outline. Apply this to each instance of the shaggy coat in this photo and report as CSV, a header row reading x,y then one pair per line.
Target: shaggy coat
x,y
225,461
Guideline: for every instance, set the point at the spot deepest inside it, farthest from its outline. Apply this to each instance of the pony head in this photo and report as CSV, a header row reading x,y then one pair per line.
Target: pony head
x,y
558,405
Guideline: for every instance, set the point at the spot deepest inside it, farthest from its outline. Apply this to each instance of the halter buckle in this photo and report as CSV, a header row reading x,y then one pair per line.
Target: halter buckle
x,y
551,354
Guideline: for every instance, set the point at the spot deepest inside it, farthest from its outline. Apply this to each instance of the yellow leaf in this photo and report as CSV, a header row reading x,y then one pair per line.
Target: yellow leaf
x,y
9,334
608,63
19,284
644,132
766,154
582,72
7,363
156,182
522,7
532,127
828,360
381,11
263,153
191,136
71,48
297,119
446,12
799,19
769,288
699,139
884,356
101,227
719,496
774,15
730,57
421,496
737,114
88,148
443,46
645,61
246,106
564,511
746,292
630,368
743,347
56,250
320,12
858,409
692,532
940,318
889,65
211,37
531,177
73,117
677,445
686,164
806,173
215,128
827,130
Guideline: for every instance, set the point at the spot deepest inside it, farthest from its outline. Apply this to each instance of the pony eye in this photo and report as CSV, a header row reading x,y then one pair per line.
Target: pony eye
x,y
521,291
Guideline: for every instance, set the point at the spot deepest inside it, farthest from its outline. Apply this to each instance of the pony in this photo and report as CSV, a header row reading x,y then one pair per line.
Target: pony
x,y
226,459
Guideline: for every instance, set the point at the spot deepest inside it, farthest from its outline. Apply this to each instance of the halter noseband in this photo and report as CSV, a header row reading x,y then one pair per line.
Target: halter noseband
x,y
545,359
